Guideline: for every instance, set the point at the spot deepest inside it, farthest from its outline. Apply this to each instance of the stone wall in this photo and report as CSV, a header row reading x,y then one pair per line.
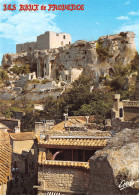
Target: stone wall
x,y
47,40
63,179
43,41
118,125
26,47
19,146
3,189
75,73
78,133
24,171
131,114
59,39
40,127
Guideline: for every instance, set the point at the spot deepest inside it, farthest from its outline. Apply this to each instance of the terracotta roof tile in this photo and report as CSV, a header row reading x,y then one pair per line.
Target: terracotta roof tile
x,y
23,136
72,121
5,157
75,142
42,161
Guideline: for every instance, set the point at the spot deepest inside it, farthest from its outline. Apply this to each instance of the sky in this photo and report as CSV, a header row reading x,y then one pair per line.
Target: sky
x,y
99,17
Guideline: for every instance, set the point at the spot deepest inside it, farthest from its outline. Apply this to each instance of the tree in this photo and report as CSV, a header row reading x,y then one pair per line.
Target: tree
x,y
100,105
135,63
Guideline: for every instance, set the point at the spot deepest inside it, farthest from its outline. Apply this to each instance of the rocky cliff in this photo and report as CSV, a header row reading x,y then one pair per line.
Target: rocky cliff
x,y
96,56
115,169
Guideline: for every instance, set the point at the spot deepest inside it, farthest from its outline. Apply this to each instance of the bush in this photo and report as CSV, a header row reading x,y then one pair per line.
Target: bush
x,y
34,81
102,52
3,75
117,83
21,70
135,63
45,81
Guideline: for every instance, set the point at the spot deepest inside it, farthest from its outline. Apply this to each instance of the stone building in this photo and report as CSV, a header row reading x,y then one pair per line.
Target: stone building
x,y
64,153
125,114
9,125
48,40
24,164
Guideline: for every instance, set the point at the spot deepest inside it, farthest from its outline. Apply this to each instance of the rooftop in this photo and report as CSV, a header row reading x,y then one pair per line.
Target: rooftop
x,y
23,136
75,143
5,157
43,161
72,121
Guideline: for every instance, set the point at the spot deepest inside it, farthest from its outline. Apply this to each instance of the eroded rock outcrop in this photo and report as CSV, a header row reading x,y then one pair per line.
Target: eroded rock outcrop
x,y
115,169
96,56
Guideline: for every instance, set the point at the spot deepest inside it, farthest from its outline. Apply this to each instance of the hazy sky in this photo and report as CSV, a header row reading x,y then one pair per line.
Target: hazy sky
x,y
100,17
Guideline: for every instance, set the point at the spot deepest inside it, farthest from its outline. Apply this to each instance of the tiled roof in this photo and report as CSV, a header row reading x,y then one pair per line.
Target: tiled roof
x,y
42,161
5,157
23,136
70,122
94,133
74,142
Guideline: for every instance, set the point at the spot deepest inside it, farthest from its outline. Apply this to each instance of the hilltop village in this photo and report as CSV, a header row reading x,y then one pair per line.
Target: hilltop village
x,y
69,117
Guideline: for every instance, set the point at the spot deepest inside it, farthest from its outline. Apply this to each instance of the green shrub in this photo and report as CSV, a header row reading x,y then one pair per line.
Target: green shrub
x,y
45,81
3,75
102,52
21,70
135,63
34,81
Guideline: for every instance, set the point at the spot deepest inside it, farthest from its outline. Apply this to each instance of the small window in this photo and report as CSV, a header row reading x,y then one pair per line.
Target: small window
x,y
121,112
57,34
66,77
64,37
69,42
26,166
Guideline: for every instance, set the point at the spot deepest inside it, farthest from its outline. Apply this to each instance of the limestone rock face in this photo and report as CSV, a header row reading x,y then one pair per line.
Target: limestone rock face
x,y
115,169
96,57
9,60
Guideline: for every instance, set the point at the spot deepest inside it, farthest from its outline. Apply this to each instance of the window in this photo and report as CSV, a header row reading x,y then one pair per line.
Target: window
x,y
64,37
121,112
57,34
26,166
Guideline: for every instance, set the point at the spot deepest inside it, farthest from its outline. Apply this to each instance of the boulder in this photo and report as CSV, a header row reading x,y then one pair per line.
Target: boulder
x,y
115,169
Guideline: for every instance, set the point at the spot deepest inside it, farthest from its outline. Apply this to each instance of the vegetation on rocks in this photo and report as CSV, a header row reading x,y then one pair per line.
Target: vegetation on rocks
x,y
21,69
102,52
77,100
3,75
